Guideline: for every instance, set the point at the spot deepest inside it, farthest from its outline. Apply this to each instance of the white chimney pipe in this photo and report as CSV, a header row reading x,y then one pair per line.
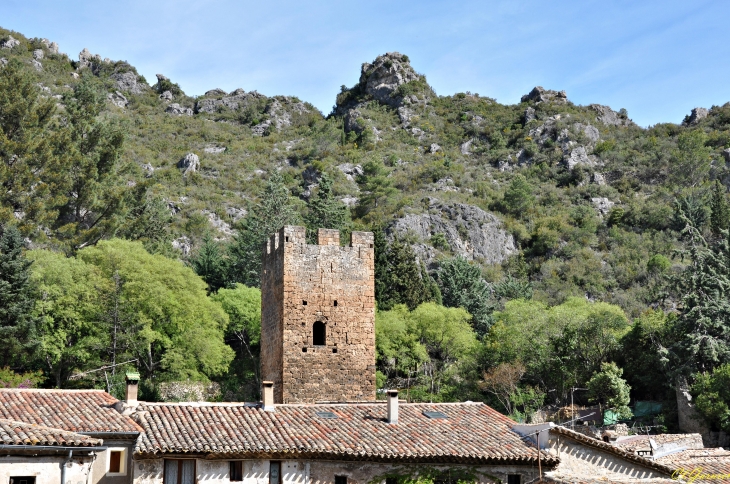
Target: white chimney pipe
x,y
392,406
268,395
132,379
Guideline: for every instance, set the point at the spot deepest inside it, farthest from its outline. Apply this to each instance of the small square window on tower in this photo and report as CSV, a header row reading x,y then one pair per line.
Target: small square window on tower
x,y
340,479
514,479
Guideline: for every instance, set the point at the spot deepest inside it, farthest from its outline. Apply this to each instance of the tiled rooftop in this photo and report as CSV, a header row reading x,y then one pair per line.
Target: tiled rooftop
x,y
641,442
70,410
21,433
612,449
472,433
713,464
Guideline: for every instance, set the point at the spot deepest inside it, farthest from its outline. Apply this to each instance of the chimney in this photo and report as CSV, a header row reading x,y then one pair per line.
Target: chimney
x,y
268,394
132,387
392,406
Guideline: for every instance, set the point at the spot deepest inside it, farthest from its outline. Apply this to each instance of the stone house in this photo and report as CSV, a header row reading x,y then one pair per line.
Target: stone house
x,y
67,436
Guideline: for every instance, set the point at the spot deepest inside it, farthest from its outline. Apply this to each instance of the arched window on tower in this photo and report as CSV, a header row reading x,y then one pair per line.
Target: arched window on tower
x,y
319,334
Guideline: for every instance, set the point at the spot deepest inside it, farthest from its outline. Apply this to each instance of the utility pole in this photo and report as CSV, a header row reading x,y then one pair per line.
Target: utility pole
x,y
572,411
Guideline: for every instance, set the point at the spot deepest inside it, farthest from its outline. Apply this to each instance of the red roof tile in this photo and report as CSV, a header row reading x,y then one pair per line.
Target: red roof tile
x,y
641,442
71,410
21,433
472,433
705,465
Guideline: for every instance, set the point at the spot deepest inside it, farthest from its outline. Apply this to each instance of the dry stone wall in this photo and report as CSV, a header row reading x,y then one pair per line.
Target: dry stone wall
x,y
310,287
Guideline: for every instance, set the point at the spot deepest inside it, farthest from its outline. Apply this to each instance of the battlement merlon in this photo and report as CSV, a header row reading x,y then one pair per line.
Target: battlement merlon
x,y
292,234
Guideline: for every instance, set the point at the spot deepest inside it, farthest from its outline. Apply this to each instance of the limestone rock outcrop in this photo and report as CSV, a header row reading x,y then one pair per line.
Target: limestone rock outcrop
x,y
87,59
385,75
189,163
178,110
217,99
695,116
609,117
9,43
539,95
118,99
38,54
129,82
470,232
51,46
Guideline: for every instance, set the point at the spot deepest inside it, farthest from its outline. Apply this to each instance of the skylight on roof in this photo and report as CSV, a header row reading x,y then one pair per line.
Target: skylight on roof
x,y
326,415
430,414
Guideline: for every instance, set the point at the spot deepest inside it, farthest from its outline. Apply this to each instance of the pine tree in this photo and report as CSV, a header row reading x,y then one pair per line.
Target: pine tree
x,y
462,286
16,299
32,151
406,280
209,264
719,209
325,211
275,210
95,205
702,329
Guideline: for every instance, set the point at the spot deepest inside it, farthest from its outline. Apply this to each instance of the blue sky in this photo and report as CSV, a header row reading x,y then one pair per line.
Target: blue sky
x,y
656,59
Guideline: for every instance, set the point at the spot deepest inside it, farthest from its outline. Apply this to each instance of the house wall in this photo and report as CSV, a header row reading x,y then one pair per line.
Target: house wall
x,y
46,469
321,275
324,472
577,459
101,465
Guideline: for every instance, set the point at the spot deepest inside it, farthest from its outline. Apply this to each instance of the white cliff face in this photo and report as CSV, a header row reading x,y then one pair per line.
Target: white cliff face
x,y
469,231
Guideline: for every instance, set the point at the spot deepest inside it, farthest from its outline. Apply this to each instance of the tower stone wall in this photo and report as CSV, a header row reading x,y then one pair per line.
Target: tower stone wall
x,y
311,293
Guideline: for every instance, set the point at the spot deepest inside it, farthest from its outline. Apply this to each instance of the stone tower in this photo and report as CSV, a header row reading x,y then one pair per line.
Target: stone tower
x,y
318,317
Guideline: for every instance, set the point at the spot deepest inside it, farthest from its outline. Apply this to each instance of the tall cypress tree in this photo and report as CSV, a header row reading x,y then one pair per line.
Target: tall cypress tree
x,y
209,264
16,299
275,210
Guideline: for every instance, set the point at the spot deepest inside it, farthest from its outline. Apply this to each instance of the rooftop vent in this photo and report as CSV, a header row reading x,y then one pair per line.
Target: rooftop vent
x,y
430,414
326,415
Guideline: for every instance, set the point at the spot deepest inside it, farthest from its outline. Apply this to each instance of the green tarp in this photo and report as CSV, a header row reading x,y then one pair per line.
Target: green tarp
x,y
610,417
647,409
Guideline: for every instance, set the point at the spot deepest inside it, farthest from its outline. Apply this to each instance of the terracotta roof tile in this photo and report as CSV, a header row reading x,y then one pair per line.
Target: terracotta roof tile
x,y
641,442
713,464
70,410
20,433
472,433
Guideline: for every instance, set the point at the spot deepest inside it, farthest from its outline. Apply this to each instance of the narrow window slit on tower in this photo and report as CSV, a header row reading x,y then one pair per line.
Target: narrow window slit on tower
x,y
318,334
335,302
304,303
334,350
304,349
286,238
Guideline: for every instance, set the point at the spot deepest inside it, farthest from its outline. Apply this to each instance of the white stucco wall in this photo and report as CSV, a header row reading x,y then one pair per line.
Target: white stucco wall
x,y
316,472
47,470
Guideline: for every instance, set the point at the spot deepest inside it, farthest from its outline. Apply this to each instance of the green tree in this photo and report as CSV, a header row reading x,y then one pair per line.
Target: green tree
x,y
32,151
711,395
691,159
518,197
719,209
610,390
210,264
325,211
181,331
275,210
95,205
17,297
405,280
70,336
243,306
425,350
462,286
701,331
375,184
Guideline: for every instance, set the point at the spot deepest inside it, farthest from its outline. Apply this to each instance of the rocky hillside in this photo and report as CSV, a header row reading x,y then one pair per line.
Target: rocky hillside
x,y
574,199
